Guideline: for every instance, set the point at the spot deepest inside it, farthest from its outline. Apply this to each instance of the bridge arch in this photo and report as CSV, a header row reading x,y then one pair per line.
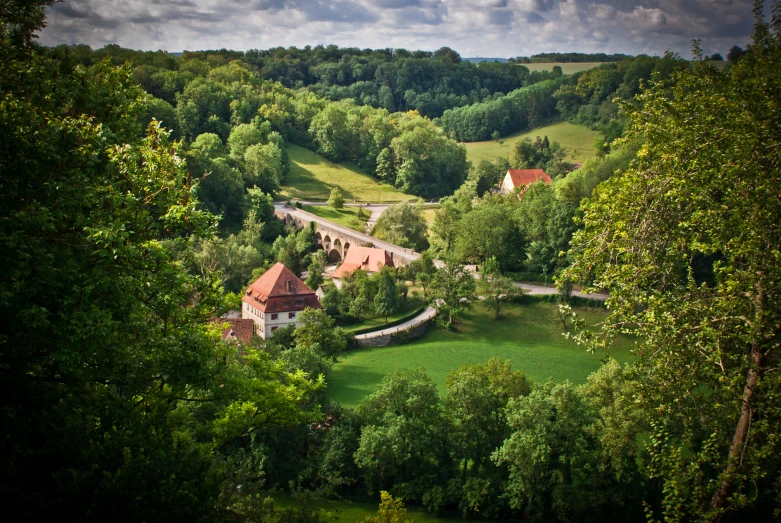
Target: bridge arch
x,y
318,238
334,256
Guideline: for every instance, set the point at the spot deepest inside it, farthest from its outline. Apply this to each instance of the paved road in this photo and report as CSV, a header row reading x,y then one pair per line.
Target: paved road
x,y
530,288
423,317
407,254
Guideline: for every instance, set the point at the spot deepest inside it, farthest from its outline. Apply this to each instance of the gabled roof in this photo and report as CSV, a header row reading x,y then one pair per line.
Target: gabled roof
x,y
278,281
277,284
237,330
369,259
521,177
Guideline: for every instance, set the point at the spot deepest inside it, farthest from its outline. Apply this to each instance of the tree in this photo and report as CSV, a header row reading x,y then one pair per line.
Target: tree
x,y
497,288
684,248
735,53
117,395
336,200
317,329
386,301
550,458
263,167
241,138
476,402
422,269
403,225
317,264
402,441
452,289
391,510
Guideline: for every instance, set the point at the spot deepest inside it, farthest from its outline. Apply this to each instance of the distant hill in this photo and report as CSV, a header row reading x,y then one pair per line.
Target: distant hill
x,y
478,59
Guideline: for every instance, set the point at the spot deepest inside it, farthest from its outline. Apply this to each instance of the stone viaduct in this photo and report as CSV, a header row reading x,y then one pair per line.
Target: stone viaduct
x,y
336,239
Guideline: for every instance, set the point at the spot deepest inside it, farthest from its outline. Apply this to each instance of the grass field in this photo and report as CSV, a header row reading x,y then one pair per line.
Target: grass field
x,y
312,177
578,140
566,68
529,336
428,215
346,216
346,511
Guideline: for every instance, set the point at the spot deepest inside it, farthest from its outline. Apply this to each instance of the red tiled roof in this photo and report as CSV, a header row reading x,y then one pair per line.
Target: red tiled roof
x,y
238,329
521,177
369,259
279,290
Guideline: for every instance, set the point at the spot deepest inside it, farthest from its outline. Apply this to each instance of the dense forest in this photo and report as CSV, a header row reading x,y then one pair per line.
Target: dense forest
x,y
393,79
587,98
120,401
544,58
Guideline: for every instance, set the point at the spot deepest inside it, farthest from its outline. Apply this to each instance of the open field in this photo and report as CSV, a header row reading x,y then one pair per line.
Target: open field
x,y
529,336
578,140
312,177
346,216
566,68
346,511
428,215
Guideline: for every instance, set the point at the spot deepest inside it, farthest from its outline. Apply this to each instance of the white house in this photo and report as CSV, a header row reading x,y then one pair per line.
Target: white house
x,y
275,299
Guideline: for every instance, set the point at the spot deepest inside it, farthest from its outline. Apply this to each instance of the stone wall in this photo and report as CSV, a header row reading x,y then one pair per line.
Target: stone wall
x,y
395,337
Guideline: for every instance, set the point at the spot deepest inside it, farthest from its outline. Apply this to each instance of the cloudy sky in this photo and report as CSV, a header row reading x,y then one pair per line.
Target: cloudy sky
x,y
492,28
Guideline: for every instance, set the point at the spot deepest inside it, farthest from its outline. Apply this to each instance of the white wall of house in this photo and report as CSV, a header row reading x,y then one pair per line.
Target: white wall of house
x,y
507,186
267,323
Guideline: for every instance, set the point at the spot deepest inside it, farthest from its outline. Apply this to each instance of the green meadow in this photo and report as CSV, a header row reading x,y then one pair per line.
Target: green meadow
x,y
312,177
566,68
346,216
578,140
529,336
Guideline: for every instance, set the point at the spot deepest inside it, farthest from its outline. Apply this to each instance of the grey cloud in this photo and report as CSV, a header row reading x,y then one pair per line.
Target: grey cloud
x,y
534,18
484,27
543,5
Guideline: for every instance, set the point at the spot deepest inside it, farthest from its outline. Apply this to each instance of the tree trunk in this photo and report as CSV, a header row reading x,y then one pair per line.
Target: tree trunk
x,y
740,439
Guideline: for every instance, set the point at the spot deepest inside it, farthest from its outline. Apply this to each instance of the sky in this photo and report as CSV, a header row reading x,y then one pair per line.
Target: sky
x,y
485,28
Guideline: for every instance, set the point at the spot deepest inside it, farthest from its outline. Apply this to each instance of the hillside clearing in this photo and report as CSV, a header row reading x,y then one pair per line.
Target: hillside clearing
x,y
346,216
312,177
529,336
578,140
566,67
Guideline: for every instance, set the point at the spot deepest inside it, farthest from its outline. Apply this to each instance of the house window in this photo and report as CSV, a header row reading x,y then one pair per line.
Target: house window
x,y
274,328
285,302
291,314
274,316
299,302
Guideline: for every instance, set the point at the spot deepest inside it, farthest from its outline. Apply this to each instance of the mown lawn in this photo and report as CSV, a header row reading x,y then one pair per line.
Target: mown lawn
x,y
346,511
578,140
566,68
529,336
312,177
346,216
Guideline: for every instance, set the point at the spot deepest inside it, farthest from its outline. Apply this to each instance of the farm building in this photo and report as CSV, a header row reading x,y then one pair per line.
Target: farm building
x,y
238,329
521,179
275,299
369,259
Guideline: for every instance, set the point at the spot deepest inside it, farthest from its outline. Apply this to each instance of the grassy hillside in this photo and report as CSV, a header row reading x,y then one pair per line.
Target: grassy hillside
x,y
566,68
530,336
312,177
577,139
347,216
